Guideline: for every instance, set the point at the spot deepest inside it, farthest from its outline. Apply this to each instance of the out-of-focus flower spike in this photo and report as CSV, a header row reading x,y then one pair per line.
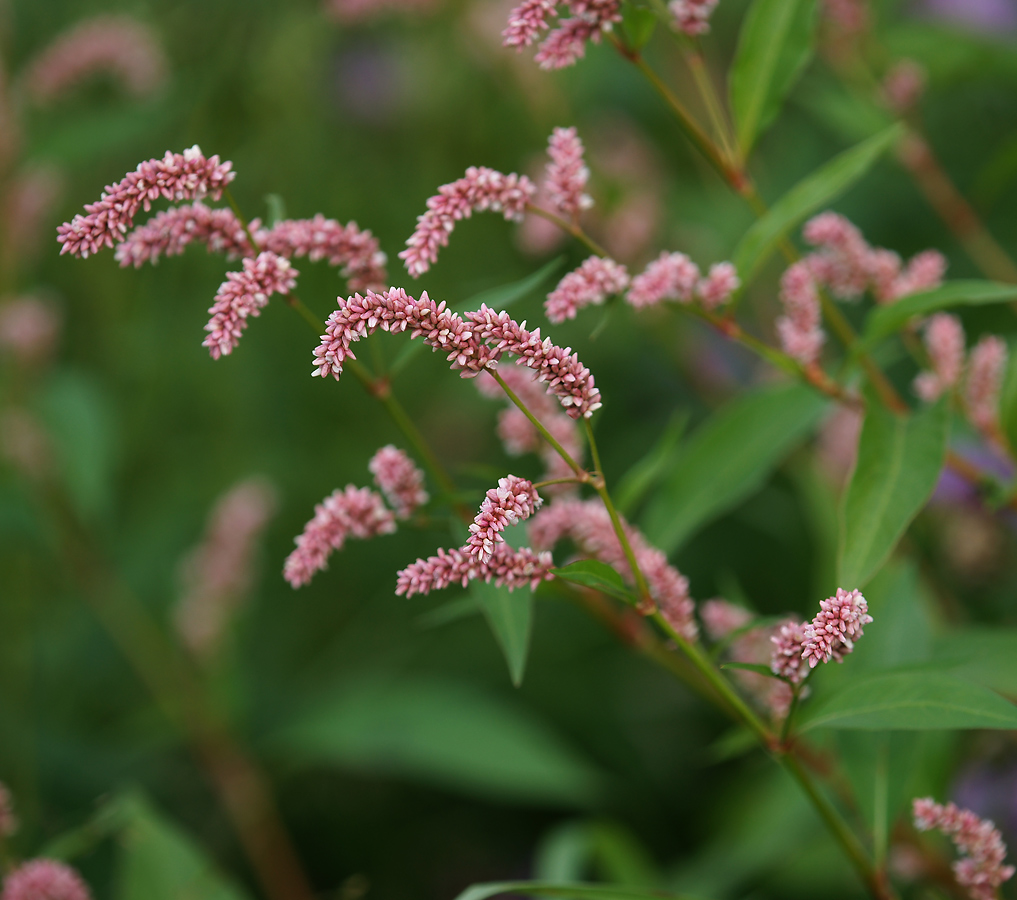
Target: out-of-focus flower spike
x,y
718,286
44,879
527,21
671,276
986,367
800,328
692,16
944,341
591,284
567,173
399,479
8,820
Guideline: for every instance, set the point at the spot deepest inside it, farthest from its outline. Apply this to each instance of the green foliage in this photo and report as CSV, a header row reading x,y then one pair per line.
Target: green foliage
x,y
727,459
644,475
899,461
638,24
810,195
774,46
570,891
510,615
597,575
575,849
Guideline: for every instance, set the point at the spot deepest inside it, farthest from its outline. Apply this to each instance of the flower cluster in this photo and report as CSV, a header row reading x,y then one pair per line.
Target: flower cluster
x,y
513,500
243,295
592,283
800,328
44,879
478,190
673,276
171,231
217,573
692,16
567,173
829,636
116,44
399,479
506,567
177,176
986,366
786,654
588,525
981,867
588,21
944,342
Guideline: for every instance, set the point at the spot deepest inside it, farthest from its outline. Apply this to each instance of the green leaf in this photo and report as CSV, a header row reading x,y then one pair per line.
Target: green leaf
x,y
986,656
574,849
449,612
809,195
899,461
510,615
758,668
574,891
728,458
500,297
1008,400
160,862
644,475
440,732
884,320
597,575
914,700
276,209
774,46
638,24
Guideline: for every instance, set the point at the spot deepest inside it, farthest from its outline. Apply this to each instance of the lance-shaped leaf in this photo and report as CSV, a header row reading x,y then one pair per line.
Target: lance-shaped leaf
x,y
808,196
728,458
915,700
572,891
774,46
598,575
510,615
899,461
885,320
1008,400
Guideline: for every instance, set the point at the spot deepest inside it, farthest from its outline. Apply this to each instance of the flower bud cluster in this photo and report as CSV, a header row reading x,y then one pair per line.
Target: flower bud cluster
x,y
692,16
567,173
566,43
399,479
513,500
829,636
673,276
44,879
591,284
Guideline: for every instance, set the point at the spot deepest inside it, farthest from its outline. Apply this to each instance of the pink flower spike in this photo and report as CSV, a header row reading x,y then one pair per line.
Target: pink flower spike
x,y
836,627
177,176
567,173
243,295
514,500
671,276
567,43
171,231
526,22
716,289
591,284
692,16
721,618
506,567
944,341
480,189
842,263
986,367
924,272
800,328
44,879
8,820
116,44
981,867
786,659
352,512
400,480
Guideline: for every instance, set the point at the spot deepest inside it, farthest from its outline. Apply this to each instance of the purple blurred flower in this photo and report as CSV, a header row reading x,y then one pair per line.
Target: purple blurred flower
x,y
990,16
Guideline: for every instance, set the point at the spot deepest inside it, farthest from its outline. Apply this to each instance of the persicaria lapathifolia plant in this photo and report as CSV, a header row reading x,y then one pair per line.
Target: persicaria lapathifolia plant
x,y
826,324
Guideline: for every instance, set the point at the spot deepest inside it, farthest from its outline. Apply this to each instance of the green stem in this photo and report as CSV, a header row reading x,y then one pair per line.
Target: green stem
x,y
696,63
570,228
240,216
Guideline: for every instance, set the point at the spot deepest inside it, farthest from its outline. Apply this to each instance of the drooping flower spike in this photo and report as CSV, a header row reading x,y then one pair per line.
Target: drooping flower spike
x,y
981,868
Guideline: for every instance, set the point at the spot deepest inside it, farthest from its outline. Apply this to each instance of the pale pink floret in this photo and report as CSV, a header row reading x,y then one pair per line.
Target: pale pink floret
x,y
399,479
692,16
556,367
800,328
842,263
591,284
981,867
786,657
671,276
479,190
243,295
567,43
527,21
171,231
8,820
944,341
567,174
839,623
718,286
512,501
44,879
396,311
119,45
506,567
219,571
351,512
589,526
986,366
177,176
720,617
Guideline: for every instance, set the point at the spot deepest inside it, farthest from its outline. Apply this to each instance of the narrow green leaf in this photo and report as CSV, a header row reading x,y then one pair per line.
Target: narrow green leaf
x,y
638,24
899,461
443,733
160,862
809,195
598,575
1008,400
774,46
986,656
502,296
574,891
644,475
449,612
276,209
884,320
758,668
728,458
510,615
574,848
924,700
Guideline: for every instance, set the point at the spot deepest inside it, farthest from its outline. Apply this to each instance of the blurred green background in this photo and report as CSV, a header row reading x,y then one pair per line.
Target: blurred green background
x,y
423,769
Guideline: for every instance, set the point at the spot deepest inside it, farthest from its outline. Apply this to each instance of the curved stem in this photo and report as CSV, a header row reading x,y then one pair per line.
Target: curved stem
x,y
568,227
